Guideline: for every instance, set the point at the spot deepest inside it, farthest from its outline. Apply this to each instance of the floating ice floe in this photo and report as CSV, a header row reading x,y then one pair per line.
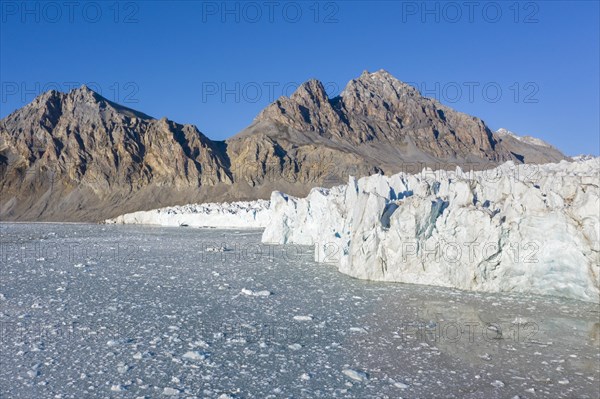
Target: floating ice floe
x,y
168,391
118,388
248,292
195,355
216,249
356,375
303,318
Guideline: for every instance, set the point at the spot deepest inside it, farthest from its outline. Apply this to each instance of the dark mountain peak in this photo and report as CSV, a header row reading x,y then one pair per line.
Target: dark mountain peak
x,y
85,94
312,86
380,84
82,103
381,74
379,110
310,92
87,102
372,105
370,90
84,89
377,94
42,101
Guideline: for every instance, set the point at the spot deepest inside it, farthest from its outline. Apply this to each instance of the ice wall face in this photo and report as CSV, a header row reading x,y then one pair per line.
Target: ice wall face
x,y
243,214
527,228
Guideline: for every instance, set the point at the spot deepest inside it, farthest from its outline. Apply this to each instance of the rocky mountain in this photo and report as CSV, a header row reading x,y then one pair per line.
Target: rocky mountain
x,y
80,157
77,156
378,124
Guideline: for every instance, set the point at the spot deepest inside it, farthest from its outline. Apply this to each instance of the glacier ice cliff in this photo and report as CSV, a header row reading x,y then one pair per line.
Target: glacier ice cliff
x,y
531,229
242,214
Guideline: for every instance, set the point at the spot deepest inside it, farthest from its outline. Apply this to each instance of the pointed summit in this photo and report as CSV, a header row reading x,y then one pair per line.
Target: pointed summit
x,y
380,83
380,73
85,94
84,88
87,101
310,92
84,91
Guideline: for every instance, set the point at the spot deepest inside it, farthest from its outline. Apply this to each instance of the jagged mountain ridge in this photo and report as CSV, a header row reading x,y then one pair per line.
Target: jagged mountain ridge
x,y
385,124
78,156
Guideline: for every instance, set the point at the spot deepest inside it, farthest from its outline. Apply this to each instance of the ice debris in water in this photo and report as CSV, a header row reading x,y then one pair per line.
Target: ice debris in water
x,y
195,355
216,249
248,292
356,374
303,318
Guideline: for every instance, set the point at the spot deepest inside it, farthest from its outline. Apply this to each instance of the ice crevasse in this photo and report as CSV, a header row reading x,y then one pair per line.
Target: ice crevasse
x,y
517,228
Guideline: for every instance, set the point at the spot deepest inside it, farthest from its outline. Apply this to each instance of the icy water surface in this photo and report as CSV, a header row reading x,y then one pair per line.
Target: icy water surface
x,y
129,311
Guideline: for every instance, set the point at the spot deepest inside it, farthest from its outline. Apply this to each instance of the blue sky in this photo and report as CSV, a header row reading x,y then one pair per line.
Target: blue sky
x,y
531,67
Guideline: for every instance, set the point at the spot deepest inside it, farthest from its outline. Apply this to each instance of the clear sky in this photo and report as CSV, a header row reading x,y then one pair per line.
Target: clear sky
x,y
531,67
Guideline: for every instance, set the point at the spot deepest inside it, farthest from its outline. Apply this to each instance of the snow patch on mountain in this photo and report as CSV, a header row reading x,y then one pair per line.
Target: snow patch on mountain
x,y
531,229
582,157
525,139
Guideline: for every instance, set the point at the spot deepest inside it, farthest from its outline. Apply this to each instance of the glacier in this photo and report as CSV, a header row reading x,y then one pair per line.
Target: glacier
x,y
241,214
532,229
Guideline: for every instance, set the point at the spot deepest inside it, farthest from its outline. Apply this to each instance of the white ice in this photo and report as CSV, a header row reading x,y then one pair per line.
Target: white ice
x,y
243,214
518,228
531,229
